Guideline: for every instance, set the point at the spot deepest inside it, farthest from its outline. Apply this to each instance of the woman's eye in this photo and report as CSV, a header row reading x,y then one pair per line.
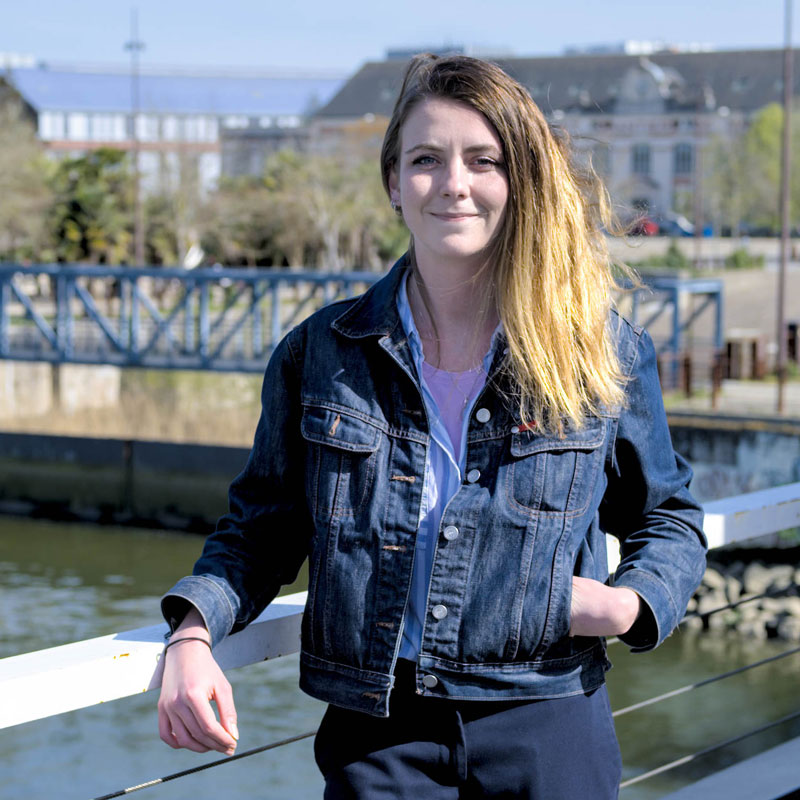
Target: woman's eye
x,y
424,160
487,161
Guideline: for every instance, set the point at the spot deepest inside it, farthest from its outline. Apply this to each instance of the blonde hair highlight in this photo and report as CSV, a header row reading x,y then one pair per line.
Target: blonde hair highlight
x,y
551,271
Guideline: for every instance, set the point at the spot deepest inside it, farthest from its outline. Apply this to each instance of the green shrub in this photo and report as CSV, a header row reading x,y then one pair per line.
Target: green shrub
x,y
742,259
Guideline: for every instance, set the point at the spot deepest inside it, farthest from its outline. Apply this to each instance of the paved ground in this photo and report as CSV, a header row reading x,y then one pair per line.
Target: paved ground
x,y
742,398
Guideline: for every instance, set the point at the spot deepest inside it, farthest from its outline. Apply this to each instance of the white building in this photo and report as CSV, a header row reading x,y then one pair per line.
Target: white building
x,y
644,118
178,116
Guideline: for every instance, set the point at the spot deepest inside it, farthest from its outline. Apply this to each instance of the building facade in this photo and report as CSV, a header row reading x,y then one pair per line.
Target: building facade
x,y
176,120
643,119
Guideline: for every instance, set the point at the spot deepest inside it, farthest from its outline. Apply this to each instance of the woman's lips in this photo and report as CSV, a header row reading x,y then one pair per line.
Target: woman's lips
x,y
453,217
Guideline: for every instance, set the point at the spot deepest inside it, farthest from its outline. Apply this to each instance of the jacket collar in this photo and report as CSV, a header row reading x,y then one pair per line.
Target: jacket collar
x,y
375,312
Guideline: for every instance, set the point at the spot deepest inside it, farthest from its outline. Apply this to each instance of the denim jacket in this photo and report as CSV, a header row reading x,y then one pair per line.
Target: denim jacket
x,y
335,476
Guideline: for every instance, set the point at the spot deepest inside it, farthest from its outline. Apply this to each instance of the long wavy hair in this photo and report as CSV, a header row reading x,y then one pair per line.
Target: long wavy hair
x,y
551,273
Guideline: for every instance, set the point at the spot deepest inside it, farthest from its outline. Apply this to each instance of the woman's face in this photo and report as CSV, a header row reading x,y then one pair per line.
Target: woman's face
x,y
450,181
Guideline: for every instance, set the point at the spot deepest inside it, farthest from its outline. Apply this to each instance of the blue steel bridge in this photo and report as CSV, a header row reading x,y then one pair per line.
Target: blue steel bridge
x,y
231,319
202,319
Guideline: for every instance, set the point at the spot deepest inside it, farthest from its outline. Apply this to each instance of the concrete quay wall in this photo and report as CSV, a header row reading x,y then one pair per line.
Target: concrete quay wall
x,y
184,486
35,388
113,481
733,455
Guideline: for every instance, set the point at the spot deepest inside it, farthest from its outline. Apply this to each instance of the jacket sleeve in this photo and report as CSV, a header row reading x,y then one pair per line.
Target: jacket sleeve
x,y
261,543
648,506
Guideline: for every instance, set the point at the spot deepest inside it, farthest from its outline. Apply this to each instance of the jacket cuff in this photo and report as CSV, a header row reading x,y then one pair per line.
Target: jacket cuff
x,y
210,595
658,615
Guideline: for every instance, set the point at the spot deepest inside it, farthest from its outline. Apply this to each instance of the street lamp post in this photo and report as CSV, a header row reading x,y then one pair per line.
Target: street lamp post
x,y
135,46
786,165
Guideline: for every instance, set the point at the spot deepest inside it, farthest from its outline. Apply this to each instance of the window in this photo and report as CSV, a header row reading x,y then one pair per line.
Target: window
x,y
208,169
51,125
147,128
683,159
200,129
78,127
640,160
601,159
108,127
236,121
170,129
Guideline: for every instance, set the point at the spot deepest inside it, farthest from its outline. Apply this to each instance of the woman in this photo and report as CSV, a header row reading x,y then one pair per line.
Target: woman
x,y
448,451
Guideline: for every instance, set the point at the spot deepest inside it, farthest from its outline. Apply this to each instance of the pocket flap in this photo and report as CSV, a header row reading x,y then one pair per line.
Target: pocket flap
x,y
528,441
339,429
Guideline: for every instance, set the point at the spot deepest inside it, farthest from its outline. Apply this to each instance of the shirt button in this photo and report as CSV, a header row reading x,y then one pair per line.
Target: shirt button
x,y
439,612
515,429
450,533
429,681
483,415
473,475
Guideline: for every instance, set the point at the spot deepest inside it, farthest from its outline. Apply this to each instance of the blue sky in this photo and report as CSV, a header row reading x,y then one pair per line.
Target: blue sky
x,y
341,35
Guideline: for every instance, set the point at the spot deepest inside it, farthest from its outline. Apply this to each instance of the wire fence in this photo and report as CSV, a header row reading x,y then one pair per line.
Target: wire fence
x,y
687,759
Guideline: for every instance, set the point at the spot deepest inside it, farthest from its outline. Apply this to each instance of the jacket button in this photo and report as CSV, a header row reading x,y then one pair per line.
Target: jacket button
x,y
429,681
450,533
439,612
483,415
515,429
473,475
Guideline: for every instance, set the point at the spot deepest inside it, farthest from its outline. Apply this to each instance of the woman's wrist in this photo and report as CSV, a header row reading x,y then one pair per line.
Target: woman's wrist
x,y
193,626
630,606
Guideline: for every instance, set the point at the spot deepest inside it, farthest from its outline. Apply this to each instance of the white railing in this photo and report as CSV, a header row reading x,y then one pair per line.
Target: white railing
x,y
82,674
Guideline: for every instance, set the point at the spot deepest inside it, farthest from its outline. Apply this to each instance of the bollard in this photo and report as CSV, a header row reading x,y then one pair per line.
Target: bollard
x,y
792,349
686,374
718,368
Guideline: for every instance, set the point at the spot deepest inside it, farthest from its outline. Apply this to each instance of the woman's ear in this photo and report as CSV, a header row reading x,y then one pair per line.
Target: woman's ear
x,y
394,189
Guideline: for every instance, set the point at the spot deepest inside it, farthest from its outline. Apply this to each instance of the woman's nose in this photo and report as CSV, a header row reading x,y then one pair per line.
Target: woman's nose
x,y
454,179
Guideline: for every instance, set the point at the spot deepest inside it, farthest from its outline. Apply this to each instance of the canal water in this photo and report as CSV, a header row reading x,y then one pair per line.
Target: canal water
x,y
61,583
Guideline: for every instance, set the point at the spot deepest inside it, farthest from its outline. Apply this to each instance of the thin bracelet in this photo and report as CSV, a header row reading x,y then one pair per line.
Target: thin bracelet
x,y
186,639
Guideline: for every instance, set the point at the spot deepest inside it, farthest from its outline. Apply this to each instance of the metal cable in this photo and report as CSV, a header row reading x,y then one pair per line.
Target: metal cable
x,y
697,614
687,759
773,593
185,772
619,712
658,698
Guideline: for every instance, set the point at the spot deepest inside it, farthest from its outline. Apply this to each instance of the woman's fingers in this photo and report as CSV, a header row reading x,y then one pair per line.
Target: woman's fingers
x,y
198,718
184,738
186,718
227,710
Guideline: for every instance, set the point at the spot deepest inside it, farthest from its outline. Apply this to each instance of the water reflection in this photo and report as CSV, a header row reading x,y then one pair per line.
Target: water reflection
x,y
62,583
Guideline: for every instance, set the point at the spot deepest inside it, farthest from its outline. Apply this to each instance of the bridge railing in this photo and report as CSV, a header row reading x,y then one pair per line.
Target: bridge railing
x,y
72,676
230,319
210,319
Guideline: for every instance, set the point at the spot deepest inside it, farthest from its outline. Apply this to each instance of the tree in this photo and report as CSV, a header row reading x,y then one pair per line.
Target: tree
x,y
744,172
309,209
92,216
23,184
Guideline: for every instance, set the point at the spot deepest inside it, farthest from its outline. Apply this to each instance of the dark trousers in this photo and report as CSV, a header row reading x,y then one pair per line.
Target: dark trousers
x,y
433,749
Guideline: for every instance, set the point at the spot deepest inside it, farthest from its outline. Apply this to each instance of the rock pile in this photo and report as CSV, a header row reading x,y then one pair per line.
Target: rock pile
x,y
765,618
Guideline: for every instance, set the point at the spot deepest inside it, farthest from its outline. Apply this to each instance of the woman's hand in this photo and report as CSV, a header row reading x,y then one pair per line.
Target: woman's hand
x,y
600,610
191,679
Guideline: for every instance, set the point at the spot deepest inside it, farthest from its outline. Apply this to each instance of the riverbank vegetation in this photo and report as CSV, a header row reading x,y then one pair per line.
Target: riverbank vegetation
x,y
307,209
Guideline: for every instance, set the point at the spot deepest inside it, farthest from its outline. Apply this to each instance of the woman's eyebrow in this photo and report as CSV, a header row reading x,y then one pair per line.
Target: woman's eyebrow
x,y
424,146
474,148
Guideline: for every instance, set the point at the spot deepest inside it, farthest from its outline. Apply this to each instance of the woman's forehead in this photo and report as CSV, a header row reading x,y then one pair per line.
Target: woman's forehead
x,y
440,121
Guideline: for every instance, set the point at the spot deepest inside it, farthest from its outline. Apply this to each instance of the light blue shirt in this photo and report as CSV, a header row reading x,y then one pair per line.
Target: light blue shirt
x,y
443,477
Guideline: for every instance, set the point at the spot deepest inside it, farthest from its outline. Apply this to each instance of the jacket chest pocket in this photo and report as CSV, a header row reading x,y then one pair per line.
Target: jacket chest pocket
x,y
552,475
342,456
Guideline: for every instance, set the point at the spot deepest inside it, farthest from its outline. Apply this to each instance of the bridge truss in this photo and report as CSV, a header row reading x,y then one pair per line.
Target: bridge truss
x,y
231,319
206,319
